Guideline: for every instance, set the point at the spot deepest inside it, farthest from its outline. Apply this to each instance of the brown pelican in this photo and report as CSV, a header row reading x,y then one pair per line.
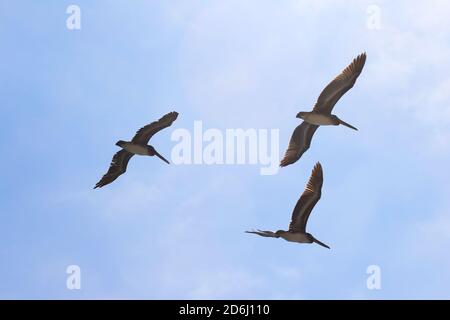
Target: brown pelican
x,y
305,204
138,145
321,113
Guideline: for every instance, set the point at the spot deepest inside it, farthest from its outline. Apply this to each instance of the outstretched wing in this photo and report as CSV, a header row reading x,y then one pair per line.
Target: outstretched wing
x,y
299,143
307,200
144,134
340,85
118,166
264,233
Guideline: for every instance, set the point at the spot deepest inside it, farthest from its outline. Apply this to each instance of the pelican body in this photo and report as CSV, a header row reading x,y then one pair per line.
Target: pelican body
x,y
138,145
142,150
320,119
305,204
321,114
299,237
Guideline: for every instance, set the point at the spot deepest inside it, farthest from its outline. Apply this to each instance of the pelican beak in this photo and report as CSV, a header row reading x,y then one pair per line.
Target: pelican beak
x,y
320,243
347,125
298,115
161,157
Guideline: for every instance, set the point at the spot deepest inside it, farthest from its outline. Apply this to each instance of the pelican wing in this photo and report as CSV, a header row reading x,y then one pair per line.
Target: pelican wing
x,y
264,233
307,200
299,143
118,166
144,134
340,85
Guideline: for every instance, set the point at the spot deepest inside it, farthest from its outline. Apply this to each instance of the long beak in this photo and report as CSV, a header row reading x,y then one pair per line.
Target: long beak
x,y
347,125
320,243
161,157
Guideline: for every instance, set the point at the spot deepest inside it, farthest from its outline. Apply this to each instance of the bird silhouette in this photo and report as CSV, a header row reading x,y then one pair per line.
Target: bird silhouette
x,y
138,145
321,114
305,204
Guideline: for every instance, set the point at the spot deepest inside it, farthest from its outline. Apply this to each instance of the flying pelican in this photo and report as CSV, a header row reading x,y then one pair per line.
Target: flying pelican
x,y
321,113
305,204
138,145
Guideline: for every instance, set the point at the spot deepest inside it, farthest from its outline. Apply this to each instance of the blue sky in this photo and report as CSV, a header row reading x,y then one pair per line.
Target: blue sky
x,y
164,232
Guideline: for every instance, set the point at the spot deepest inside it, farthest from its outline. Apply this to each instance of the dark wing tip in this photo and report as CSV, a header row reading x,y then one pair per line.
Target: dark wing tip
x,y
173,115
360,61
166,120
361,56
285,162
99,184
169,118
315,181
291,156
317,167
105,180
288,162
317,170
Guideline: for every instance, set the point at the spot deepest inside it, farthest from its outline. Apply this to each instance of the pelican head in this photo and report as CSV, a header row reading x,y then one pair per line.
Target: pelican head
x,y
310,237
301,115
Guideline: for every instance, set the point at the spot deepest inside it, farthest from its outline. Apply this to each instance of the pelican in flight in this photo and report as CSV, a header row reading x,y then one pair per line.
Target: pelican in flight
x,y
321,113
138,145
305,204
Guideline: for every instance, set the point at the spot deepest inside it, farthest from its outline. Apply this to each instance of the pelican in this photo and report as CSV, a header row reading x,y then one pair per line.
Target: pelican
x,y
305,204
321,113
138,145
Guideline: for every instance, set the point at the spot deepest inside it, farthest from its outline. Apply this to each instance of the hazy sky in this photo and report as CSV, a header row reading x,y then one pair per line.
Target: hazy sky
x,y
159,231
